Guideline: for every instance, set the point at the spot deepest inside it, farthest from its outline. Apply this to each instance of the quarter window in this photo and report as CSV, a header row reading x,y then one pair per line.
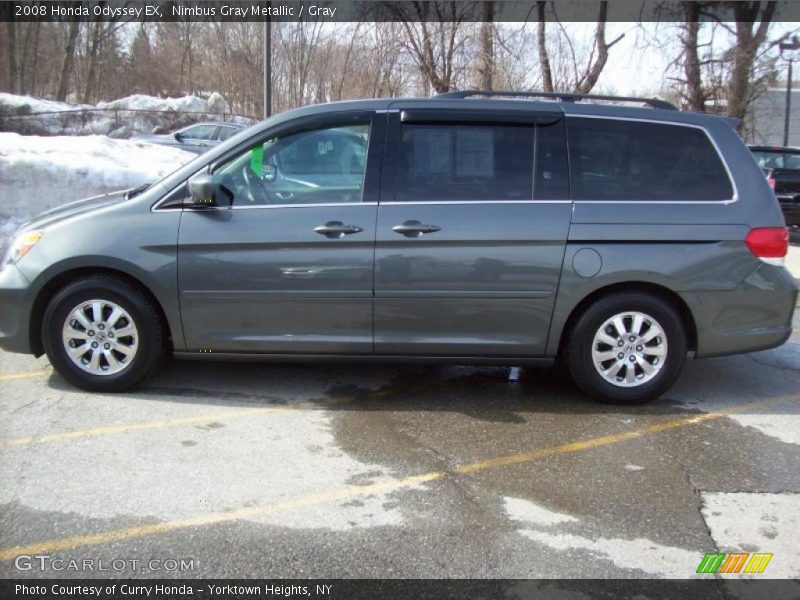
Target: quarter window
x,y
319,166
613,159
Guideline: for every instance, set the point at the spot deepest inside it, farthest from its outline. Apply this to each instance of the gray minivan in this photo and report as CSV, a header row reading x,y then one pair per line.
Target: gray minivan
x,y
472,227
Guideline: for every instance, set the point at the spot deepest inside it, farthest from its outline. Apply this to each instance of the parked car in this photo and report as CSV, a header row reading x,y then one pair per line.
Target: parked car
x,y
782,168
197,138
472,227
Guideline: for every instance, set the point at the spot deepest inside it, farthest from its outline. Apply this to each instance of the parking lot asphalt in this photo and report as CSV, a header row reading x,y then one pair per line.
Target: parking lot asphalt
x,y
251,470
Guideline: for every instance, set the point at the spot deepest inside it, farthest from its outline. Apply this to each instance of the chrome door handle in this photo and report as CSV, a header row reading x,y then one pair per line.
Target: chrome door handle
x,y
415,229
337,229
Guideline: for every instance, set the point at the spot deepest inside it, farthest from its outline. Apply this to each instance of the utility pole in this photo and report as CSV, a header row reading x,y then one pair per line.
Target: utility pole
x,y
267,92
788,109
788,53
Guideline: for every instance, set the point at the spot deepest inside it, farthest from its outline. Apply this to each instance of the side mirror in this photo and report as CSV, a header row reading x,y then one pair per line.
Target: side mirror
x,y
178,136
206,193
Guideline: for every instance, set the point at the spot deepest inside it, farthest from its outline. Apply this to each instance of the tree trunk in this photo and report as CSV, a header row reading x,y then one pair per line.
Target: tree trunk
x,y
747,44
88,89
694,81
13,69
34,67
593,70
544,59
69,59
486,65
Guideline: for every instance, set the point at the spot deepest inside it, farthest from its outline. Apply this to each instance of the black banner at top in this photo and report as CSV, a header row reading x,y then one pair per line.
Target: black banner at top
x,y
377,11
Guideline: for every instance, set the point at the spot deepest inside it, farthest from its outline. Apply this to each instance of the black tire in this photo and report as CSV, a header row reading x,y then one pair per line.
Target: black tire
x,y
580,342
151,336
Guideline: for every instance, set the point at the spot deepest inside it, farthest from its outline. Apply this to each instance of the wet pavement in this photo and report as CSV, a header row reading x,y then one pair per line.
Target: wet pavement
x,y
284,471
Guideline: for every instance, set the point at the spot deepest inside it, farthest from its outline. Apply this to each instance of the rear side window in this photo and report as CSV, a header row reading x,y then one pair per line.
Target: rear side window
x,y
613,159
465,162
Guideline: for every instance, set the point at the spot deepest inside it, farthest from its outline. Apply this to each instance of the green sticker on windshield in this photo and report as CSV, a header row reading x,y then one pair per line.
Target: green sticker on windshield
x,y
257,160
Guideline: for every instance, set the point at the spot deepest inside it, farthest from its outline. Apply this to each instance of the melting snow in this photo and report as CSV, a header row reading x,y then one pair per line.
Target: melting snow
x,y
525,510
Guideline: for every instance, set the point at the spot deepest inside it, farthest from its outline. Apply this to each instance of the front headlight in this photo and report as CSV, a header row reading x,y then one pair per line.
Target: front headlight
x,y
21,245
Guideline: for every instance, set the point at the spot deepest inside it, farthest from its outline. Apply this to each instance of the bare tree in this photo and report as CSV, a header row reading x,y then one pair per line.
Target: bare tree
x,y
580,71
486,61
68,61
753,20
541,43
722,64
11,50
597,62
432,37
695,96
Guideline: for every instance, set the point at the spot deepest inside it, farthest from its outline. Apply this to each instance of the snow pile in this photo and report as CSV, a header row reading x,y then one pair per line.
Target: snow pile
x,y
39,173
23,105
119,118
142,102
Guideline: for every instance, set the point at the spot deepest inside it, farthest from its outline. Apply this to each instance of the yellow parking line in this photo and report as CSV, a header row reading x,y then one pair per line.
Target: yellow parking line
x,y
220,517
164,423
357,491
581,445
24,375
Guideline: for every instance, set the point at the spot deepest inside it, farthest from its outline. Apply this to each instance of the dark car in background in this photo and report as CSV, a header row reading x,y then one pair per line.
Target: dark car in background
x,y
197,138
782,169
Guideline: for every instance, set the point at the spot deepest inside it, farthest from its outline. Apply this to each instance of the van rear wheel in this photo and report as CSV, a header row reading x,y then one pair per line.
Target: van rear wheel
x,y
627,348
102,334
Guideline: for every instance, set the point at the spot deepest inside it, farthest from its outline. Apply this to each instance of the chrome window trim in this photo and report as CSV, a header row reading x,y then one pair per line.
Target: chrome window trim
x,y
156,207
257,206
415,202
734,198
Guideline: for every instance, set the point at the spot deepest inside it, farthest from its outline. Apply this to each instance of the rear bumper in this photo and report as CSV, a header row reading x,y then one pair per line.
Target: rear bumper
x,y
15,311
756,315
791,212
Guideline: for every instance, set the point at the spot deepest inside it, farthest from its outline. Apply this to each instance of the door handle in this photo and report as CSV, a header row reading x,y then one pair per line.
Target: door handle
x,y
415,229
337,229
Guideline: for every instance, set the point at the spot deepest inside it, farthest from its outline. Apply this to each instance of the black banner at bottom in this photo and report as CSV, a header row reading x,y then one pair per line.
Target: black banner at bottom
x,y
389,589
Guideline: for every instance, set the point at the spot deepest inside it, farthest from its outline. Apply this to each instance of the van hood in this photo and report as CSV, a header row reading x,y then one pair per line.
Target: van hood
x,y
61,213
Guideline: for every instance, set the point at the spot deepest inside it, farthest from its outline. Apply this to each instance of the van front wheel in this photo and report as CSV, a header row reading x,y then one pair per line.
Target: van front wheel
x,y
102,334
627,348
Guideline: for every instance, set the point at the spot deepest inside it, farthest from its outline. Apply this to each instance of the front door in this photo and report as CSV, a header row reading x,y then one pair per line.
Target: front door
x,y
289,266
471,232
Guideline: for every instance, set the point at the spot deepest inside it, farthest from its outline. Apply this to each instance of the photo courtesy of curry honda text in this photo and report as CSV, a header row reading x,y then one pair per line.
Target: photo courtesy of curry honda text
x,y
617,235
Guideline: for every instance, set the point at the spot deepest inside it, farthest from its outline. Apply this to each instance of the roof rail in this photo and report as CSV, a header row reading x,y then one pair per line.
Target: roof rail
x,y
559,96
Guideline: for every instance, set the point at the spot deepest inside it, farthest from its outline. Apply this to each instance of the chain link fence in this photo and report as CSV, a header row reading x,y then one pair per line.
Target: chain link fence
x,y
114,122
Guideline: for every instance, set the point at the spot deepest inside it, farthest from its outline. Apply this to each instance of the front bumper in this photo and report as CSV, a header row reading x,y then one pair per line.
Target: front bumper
x,y
756,315
15,310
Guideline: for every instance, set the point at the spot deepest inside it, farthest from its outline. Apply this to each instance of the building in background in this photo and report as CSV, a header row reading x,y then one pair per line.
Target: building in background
x,y
768,112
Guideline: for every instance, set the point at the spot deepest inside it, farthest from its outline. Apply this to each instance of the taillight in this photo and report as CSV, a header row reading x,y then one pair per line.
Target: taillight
x,y
771,182
770,244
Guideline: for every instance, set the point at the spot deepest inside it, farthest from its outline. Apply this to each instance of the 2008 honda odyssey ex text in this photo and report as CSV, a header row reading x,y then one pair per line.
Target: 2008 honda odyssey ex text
x,y
471,227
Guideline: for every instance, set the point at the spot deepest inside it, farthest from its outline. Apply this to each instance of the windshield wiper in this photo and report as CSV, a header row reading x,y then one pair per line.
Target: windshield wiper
x,y
136,191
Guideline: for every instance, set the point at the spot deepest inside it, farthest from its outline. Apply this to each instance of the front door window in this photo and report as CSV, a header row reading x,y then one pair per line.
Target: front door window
x,y
320,166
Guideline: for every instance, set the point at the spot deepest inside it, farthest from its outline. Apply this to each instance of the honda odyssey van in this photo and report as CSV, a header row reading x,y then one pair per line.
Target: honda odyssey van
x,y
617,235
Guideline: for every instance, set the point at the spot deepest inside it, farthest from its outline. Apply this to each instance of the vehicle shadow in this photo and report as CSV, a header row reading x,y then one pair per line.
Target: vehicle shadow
x,y
486,393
